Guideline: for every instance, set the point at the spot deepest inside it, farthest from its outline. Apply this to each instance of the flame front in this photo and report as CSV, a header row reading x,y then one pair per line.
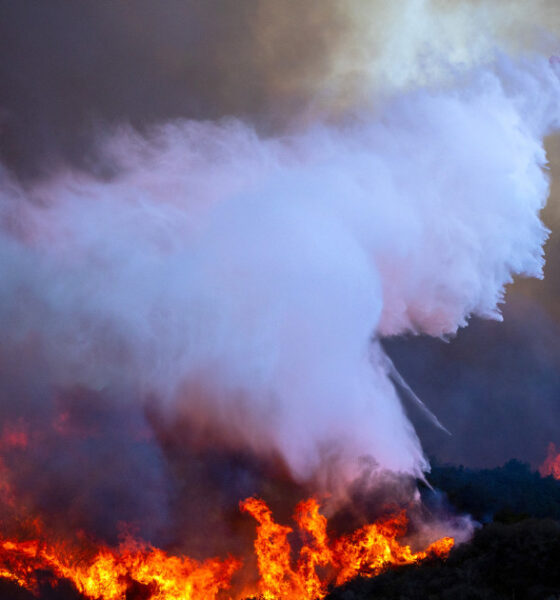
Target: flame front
x,y
366,552
106,574
373,548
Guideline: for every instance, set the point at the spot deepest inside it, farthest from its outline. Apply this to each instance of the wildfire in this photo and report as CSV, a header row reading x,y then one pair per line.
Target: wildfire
x,y
551,465
108,573
366,552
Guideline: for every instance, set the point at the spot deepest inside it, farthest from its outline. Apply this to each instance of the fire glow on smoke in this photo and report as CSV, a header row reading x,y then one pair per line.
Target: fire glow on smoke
x,y
551,464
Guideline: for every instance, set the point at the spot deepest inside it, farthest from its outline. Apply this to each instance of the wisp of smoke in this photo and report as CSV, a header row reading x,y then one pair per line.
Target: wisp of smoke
x,y
245,281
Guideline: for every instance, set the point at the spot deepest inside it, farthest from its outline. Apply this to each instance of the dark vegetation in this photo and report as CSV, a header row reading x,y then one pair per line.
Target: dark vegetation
x,y
509,493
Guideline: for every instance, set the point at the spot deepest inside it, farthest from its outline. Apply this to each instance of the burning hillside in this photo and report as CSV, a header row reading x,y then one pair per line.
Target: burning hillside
x,y
299,558
515,551
103,573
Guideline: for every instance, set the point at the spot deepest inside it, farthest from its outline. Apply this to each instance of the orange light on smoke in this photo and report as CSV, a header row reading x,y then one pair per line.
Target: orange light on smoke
x,y
551,465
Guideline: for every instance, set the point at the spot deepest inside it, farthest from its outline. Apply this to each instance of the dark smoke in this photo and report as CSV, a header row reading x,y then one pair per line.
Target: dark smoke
x,y
69,69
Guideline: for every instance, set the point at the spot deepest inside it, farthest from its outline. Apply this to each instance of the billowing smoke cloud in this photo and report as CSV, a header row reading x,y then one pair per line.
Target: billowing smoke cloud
x,y
245,280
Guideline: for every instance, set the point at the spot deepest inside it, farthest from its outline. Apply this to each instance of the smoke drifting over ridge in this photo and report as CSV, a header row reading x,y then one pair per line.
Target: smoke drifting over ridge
x,y
262,219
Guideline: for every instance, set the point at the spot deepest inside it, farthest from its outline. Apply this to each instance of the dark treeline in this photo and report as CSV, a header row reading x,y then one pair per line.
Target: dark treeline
x,y
509,493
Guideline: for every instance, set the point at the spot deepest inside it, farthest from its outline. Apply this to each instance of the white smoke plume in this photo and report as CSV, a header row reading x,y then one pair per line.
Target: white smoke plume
x,y
245,281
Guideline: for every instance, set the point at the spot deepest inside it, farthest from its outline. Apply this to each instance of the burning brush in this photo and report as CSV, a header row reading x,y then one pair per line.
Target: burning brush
x,y
103,573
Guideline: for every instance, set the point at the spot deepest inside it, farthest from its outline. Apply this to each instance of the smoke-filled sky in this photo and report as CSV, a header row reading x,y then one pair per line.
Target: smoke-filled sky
x,y
222,210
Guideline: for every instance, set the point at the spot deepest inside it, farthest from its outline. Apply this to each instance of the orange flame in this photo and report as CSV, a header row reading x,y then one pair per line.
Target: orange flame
x,y
273,554
373,548
317,551
551,465
107,573
365,552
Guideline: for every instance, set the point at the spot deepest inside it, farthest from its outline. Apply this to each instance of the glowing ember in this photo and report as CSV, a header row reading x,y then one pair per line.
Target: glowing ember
x,y
107,573
551,465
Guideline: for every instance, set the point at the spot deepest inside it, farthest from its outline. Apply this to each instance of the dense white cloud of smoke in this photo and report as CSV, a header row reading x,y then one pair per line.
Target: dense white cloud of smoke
x,y
245,280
